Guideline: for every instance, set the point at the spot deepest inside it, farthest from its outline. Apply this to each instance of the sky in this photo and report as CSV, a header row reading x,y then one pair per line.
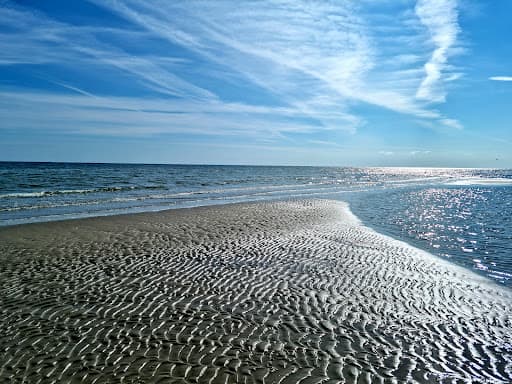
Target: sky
x,y
342,83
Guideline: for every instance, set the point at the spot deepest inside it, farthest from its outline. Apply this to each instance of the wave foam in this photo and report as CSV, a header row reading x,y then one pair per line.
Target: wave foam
x,y
75,191
480,181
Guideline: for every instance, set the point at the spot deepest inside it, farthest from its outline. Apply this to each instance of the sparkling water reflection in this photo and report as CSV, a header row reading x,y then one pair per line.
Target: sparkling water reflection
x,y
470,225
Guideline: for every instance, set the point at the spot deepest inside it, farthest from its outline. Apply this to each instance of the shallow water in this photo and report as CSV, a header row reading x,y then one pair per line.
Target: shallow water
x,y
470,225
459,214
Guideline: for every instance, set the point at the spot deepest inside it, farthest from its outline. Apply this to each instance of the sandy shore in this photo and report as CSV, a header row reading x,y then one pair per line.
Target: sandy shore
x,y
295,292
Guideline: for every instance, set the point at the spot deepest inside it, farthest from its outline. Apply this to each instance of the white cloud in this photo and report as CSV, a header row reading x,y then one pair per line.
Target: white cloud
x,y
43,41
501,78
302,49
451,123
85,113
316,59
386,153
440,18
419,153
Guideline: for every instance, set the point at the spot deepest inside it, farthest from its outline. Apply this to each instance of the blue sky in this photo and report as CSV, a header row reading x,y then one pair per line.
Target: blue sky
x,y
366,82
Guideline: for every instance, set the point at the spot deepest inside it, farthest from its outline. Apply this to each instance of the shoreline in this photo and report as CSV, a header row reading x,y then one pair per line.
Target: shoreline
x,y
157,212
275,291
166,211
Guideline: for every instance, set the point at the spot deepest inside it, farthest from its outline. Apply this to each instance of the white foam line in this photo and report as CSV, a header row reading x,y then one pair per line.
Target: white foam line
x,y
354,220
480,181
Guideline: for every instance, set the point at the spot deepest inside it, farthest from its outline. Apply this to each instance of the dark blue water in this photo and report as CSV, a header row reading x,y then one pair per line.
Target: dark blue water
x,y
459,214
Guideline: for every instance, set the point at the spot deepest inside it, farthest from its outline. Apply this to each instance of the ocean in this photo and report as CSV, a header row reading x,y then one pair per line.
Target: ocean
x,y
463,215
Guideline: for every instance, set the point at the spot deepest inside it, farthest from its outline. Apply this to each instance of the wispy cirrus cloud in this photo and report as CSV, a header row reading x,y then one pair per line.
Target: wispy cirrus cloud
x,y
40,40
419,153
440,17
169,66
83,113
301,48
415,153
283,48
501,78
67,45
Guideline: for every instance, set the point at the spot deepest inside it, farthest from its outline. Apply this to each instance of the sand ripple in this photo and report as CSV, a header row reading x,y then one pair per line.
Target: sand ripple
x,y
295,292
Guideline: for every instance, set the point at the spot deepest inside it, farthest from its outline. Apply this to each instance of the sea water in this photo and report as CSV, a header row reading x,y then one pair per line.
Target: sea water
x,y
463,215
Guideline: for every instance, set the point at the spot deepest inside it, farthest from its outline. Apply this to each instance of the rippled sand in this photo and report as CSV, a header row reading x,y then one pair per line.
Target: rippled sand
x,y
295,292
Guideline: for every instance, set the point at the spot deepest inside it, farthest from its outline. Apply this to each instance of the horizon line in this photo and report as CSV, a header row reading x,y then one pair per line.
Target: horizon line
x,y
243,165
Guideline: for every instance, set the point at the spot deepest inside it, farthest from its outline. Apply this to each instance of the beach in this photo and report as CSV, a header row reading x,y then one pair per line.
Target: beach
x,y
272,292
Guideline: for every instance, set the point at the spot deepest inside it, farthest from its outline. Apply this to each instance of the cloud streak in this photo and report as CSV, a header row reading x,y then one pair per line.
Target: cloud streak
x,y
501,78
84,113
440,18
300,48
308,66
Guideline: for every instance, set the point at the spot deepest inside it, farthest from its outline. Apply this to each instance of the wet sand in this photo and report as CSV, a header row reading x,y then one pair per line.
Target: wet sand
x,y
289,292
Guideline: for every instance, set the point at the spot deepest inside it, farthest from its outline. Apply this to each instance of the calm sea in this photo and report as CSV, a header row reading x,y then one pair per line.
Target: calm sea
x,y
460,214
